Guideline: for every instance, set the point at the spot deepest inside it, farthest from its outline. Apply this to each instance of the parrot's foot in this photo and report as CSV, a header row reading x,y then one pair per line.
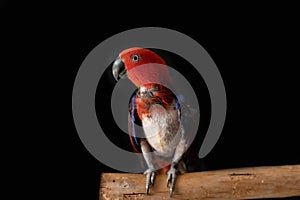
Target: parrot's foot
x,y
150,177
172,174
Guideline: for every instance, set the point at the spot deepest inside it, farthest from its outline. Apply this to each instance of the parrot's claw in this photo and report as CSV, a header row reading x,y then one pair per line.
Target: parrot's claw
x,y
172,174
150,177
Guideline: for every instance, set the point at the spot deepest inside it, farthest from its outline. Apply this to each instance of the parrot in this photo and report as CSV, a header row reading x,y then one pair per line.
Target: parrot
x,y
155,108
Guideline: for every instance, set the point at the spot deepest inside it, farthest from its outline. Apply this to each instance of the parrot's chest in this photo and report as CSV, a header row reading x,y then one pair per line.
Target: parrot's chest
x,y
162,128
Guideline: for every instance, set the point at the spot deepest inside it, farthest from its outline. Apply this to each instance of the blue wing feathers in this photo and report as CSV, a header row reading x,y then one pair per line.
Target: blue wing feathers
x,y
133,110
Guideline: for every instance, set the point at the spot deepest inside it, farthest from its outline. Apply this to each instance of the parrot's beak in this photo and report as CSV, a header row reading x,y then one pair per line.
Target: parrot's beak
x,y
118,69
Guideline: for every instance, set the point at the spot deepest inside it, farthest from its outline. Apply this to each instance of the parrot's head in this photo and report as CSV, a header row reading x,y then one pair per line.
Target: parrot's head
x,y
142,66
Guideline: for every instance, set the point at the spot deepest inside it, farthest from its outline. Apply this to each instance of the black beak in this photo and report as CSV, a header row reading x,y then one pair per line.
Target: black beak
x,y
118,69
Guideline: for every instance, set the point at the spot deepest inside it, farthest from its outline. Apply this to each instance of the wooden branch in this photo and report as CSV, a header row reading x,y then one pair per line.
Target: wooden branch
x,y
240,183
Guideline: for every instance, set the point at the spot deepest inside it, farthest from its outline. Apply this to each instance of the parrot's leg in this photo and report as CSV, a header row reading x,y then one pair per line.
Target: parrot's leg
x,y
150,172
150,177
177,165
172,174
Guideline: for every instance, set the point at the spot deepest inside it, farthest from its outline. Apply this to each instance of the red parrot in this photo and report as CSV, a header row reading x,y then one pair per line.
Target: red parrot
x,y
158,111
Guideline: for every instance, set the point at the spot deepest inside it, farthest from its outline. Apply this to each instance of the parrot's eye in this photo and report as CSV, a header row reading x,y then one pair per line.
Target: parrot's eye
x,y
135,58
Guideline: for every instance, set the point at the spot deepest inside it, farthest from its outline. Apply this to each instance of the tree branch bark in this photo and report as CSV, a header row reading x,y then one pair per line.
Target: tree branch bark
x,y
240,183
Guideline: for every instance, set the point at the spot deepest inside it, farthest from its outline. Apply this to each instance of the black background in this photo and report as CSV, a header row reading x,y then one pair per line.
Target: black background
x,y
255,49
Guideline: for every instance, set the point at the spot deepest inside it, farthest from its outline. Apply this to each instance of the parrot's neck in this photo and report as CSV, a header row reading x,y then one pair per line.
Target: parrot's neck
x,y
153,74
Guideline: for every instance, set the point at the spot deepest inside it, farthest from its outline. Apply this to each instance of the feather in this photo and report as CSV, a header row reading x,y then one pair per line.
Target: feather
x,y
132,119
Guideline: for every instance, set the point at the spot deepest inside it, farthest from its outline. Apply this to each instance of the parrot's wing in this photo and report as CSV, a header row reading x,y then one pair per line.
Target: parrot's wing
x,y
133,122
194,138
188,117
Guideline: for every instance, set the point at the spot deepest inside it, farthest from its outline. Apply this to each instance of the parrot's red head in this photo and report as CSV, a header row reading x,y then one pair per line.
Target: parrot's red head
x,y
142,66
